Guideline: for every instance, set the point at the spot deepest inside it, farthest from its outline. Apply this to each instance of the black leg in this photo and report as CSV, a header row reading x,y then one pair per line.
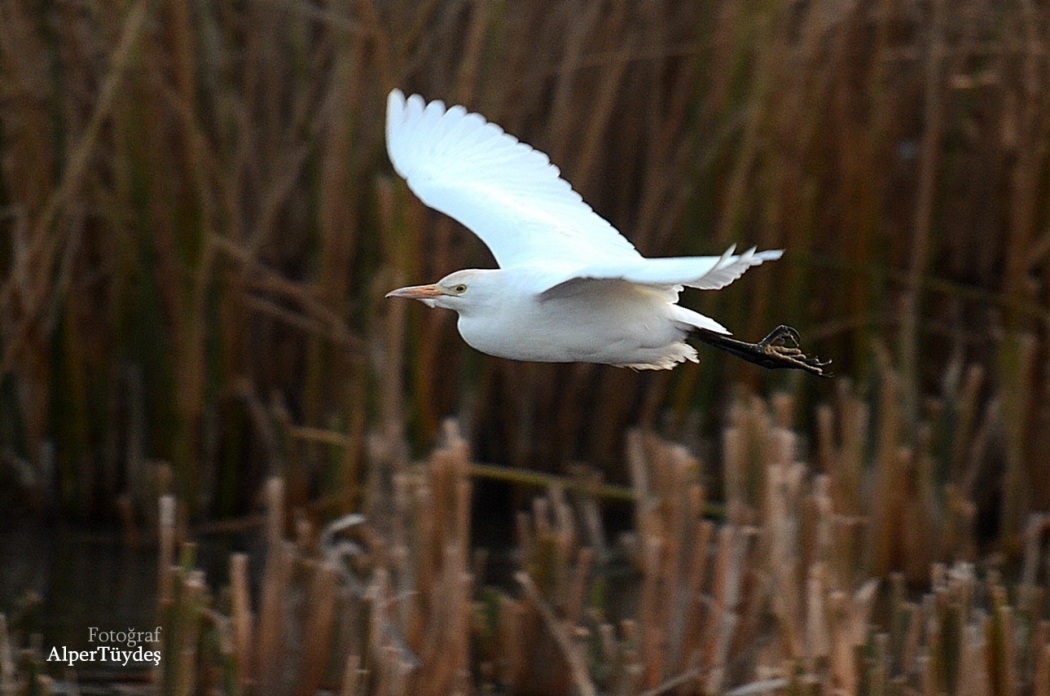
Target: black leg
x,y
780,349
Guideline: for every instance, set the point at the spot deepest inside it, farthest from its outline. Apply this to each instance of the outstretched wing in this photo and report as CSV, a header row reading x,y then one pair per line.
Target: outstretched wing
x,y
504,191
669,274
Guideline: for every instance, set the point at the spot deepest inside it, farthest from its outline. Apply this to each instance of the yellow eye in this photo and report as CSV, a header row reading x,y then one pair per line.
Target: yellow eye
x,y
460,289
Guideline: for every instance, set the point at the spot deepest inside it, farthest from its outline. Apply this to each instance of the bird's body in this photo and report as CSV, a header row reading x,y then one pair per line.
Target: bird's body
x,y
626,324
570,288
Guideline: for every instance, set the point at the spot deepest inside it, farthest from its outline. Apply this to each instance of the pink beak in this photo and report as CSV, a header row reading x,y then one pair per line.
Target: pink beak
x,y
419,292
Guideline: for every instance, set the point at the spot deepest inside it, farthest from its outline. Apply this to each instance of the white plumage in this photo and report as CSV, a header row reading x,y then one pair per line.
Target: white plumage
x,y
569,287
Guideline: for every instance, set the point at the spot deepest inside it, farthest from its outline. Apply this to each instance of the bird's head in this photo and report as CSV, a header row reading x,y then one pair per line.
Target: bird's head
x,y
463,291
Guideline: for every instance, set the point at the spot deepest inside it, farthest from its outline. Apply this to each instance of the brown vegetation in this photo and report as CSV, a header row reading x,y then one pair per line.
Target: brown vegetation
x,y
198,224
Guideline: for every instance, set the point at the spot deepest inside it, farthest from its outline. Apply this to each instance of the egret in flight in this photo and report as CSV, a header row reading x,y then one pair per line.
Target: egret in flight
x,y
569,287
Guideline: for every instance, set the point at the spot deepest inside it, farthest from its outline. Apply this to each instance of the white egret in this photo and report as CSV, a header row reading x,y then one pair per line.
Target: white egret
x,y
569,287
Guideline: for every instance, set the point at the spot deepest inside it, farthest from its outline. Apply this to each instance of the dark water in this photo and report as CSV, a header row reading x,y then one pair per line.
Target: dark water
x,y
57,583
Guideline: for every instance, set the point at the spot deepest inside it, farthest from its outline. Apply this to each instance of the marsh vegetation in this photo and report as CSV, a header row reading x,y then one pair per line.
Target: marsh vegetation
x,y
198,224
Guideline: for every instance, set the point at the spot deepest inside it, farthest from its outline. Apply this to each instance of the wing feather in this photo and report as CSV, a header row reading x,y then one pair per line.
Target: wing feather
x,y
507,193
703,272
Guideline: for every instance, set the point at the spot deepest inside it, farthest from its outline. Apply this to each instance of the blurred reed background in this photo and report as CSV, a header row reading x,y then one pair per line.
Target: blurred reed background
x,y
199,223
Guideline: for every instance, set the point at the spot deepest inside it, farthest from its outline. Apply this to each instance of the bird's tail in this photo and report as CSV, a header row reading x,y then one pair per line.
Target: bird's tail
x,y
695,320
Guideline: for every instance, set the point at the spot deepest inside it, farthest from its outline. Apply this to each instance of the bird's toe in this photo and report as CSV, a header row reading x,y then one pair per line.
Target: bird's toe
x,y
782,345
782,337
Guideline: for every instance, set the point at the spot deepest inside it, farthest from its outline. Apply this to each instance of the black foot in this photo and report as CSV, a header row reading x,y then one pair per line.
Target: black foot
x,y
779,350
782,348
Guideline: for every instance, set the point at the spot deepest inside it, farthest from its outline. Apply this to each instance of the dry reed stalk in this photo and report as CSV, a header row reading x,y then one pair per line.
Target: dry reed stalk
x,y
270,645
908,629
391,391
1017,363
734,458
817,526
842,666
891,458
1041,685
730,551
925,518
179,671
654,550
781,538
969,677
967,404
274,512
842,457
879,672
1029,115
577,585
688,640
650,609
569,650
512,666
1037,525
817,640
1002,647
929,165
8,675
379,598
351,676
166,547
632,670
320,601
241,619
